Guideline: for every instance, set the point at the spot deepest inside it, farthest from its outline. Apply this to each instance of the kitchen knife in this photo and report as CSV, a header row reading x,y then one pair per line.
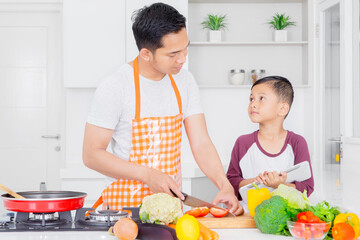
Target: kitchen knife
x,y
300,172
196,202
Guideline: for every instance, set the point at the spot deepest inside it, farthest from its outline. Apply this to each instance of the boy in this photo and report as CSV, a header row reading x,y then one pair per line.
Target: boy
x,y
140,110
263,154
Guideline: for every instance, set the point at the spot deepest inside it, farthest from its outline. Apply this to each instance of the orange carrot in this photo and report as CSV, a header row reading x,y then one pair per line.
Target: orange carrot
x,y
172,225
208,233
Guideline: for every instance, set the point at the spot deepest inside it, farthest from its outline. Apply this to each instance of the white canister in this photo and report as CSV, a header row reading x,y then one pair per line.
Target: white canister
x,y
237,76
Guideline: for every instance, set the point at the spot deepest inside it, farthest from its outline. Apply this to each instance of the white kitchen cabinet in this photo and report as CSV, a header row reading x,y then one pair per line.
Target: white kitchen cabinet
x,y
248,44
93,40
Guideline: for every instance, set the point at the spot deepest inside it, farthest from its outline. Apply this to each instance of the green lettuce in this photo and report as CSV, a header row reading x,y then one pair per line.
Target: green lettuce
x,y
295,198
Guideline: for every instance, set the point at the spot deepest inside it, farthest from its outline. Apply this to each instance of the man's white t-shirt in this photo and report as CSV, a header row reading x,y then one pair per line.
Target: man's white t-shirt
x,y
113,105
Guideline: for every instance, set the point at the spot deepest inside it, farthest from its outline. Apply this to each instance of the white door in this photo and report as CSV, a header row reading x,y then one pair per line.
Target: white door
x,y
31,93
331,124
329,99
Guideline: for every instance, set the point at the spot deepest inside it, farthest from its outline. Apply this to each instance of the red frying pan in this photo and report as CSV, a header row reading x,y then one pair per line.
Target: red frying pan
x,y
44,201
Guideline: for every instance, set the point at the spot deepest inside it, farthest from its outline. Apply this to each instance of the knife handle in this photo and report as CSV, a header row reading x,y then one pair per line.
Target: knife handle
x,y
185,195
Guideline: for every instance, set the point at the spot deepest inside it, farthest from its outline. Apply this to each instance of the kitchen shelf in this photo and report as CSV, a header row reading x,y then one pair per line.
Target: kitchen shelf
x,y
301,43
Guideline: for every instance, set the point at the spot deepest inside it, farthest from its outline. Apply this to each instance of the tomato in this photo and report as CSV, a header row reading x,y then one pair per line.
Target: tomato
x,y
343,231
313,219
204,211
326,226
195,212
308,217
198,212
217,212
298,229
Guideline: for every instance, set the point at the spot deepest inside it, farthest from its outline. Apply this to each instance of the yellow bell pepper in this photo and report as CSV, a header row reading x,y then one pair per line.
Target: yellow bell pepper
x,y
255,197
350,218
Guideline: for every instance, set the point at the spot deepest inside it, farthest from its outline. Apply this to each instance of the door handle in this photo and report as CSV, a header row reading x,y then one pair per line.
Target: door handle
x,y
52,136
335,139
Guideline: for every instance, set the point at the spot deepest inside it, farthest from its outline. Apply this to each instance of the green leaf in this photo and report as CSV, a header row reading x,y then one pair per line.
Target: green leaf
x,y
215,22
144,217
280,21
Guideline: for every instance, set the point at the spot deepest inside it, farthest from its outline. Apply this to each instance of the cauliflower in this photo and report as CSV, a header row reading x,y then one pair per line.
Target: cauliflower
x,y
160,208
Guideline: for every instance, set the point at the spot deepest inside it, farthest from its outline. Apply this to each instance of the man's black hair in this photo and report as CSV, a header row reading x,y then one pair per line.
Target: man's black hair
x,y
282,87
151,23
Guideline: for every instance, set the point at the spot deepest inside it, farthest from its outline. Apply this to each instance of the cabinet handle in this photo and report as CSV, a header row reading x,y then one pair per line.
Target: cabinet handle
x,y
51,136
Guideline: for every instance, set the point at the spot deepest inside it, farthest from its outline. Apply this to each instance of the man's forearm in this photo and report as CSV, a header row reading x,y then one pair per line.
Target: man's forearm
x,y
209,162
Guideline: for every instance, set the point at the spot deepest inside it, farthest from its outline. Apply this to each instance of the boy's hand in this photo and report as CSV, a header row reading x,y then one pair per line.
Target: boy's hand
x,y
261,177
273,179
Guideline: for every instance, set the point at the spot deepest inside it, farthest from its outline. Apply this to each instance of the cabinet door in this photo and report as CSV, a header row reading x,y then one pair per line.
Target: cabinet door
x,y
131,6
94,40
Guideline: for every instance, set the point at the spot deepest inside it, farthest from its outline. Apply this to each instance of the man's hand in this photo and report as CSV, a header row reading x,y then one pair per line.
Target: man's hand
x,y
226,195
161,182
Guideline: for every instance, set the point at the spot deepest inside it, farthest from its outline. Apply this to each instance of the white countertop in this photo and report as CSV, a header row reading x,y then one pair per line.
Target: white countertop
x,y
224,234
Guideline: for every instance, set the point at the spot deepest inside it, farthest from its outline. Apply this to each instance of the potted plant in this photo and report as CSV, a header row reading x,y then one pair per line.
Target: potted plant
x,y
279,23
215,23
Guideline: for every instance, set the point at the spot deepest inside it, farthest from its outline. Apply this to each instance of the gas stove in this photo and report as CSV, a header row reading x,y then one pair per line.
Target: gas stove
x,y
63,221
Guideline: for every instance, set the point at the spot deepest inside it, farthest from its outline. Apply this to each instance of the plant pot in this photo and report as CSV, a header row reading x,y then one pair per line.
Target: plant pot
x,y
215,36
280,35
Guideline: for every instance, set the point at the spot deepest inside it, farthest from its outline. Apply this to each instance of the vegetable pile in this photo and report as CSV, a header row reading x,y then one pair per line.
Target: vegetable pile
x,y
288,204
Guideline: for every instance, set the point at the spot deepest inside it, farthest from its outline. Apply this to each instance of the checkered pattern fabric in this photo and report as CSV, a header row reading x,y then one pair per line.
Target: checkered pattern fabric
x,y
156,143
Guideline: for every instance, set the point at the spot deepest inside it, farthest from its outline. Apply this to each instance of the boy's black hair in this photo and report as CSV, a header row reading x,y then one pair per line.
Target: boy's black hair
x,y
151,23
282,87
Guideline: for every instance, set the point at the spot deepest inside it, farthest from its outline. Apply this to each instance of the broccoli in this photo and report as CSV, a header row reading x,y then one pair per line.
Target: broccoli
x,y
271,216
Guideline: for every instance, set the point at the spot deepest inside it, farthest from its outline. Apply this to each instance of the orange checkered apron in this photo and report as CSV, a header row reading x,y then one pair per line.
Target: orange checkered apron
x,y
156,143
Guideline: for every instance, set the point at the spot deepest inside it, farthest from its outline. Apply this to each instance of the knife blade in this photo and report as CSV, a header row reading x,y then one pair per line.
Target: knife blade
x,y
196,202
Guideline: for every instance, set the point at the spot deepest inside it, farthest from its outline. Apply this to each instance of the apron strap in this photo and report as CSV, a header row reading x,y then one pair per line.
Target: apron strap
x,y
177,93
137,89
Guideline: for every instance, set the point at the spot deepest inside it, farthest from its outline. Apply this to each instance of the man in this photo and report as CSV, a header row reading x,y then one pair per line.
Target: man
x,y
141,108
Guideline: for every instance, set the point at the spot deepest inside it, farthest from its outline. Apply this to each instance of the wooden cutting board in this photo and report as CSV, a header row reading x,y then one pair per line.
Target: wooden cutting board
x,y
243,221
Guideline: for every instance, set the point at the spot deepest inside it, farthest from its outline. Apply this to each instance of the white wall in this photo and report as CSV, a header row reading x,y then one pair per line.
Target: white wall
x,y
93,42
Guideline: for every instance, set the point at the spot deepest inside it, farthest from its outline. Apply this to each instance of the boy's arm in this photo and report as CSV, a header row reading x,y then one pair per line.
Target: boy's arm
x,y
301,152
234,173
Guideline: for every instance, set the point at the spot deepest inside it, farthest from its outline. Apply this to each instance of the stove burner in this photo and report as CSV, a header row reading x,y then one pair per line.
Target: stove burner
x,y
63,221
41,223
105,215
45,216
